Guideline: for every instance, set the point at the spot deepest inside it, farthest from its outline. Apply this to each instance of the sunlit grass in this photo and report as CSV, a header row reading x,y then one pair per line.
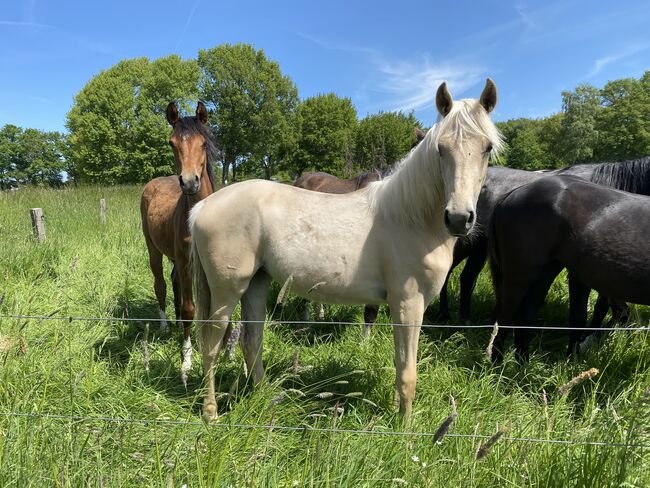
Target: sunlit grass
x,y
325,377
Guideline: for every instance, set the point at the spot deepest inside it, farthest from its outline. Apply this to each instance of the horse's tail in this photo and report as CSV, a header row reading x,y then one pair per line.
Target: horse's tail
x,y
202,295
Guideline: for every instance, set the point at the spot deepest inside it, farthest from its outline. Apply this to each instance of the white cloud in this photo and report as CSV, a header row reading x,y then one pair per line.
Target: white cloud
x,y
626,52
412,85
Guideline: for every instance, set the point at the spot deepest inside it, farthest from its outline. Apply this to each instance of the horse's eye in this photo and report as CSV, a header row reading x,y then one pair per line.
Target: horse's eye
x,y
488,149
171,144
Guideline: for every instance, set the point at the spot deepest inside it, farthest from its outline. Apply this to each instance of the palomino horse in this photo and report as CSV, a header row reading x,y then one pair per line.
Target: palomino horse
x,y
165,205
391,242
599,234
327,183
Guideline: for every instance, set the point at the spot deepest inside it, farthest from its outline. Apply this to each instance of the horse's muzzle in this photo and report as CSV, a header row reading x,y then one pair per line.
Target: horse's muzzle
x,y
459,223
190,187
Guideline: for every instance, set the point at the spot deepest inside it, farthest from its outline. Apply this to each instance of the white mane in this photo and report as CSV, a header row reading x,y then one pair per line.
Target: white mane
x,y
414,192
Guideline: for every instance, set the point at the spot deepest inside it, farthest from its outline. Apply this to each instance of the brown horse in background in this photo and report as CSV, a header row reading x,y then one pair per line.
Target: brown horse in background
x,y
327,183
165,205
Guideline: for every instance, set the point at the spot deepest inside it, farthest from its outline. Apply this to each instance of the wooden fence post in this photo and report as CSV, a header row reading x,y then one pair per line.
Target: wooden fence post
x,y
102,211
38,224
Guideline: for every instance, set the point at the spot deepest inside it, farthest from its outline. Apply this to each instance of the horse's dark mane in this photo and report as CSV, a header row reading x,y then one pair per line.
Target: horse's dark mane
x,y
632,176
192,126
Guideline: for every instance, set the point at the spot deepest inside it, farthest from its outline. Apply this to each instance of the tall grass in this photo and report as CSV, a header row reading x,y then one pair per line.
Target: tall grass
x,y
321,377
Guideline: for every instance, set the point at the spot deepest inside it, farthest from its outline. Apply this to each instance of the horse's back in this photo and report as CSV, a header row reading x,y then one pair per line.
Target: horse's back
x,y
598,233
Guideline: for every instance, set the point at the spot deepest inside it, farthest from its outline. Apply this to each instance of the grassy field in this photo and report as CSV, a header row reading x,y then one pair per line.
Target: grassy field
x,y
324,377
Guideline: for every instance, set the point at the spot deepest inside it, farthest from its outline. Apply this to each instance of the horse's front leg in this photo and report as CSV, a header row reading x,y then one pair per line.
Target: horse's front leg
x,y
407,315
184,278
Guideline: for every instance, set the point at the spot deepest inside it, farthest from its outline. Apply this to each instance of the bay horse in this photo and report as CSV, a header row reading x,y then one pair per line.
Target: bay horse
x,y
632,175
600,235
165,205
391,242
328,183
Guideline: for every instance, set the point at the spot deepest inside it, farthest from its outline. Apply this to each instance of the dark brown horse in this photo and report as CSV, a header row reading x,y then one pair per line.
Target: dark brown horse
x,y
164,206
599,234
327,183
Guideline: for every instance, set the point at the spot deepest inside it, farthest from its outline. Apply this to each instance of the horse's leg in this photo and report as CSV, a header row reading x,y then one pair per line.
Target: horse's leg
x,y
159,285
184,278
253,309
533,300
578,299
177,294
600,310
443,313
370,313
213,337
473,267
407,314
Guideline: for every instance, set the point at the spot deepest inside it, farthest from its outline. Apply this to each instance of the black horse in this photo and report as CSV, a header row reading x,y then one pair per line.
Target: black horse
x,y
599,234
632,176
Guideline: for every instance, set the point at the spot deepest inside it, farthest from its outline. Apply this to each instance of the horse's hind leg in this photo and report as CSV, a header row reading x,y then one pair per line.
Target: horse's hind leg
x,y
253,309
213,336
159,285
578,299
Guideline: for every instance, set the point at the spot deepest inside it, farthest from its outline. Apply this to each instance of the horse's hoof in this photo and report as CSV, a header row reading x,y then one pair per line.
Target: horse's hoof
x,y
210,412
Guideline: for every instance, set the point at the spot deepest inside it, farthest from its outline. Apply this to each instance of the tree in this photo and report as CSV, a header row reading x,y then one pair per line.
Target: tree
x,y
624,121
384,138
326,135
30,156
578,133
117,126
533,143
253,107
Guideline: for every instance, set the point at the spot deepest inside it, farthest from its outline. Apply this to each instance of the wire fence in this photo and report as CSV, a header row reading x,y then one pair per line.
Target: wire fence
x,y
307,428
322,322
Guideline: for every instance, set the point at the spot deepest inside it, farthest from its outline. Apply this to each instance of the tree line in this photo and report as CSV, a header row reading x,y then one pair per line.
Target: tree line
x,y
117,131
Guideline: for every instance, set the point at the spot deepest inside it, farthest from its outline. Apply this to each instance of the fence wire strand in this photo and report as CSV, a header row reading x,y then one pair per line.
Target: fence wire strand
x,y
326,323
308,429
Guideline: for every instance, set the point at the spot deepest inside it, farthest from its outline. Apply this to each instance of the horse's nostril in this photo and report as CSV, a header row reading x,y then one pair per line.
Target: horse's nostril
x,y
180,180
471,218
447,217
196,177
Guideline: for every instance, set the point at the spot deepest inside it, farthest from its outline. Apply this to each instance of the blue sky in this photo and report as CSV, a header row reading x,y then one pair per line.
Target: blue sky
x,y
384,55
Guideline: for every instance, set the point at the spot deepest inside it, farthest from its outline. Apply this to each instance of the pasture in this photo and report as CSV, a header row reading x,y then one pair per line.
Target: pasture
x,y
113,415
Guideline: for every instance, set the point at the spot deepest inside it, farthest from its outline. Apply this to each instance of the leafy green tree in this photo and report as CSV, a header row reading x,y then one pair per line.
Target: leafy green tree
x,y
384,138
623,123
578,133
326,135
253,108
117,126
30,156
533,143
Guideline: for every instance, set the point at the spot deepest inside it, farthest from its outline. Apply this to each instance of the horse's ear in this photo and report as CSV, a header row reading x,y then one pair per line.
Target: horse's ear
x,y
443,99
201,112
419,135
172,113
489,96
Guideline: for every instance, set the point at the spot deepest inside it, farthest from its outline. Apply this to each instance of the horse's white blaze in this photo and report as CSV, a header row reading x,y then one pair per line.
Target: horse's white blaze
x,y
387,243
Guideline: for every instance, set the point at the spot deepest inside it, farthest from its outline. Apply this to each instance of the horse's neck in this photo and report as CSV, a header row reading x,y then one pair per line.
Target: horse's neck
x,y
413,193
